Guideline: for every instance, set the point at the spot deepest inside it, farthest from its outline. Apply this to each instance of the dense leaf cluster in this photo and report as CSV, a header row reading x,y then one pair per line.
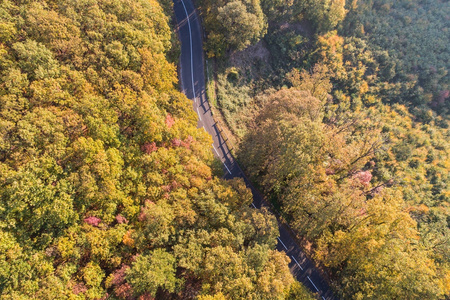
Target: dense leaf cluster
x,y
232,25
321,174
106,189
339,131
416,35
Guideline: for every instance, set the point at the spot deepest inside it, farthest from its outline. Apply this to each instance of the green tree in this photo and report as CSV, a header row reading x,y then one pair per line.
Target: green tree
x,y
36,60
233,25
324,14
243,27
150,272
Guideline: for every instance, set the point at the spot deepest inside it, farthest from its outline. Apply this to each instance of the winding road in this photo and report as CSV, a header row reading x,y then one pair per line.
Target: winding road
x,y
192,79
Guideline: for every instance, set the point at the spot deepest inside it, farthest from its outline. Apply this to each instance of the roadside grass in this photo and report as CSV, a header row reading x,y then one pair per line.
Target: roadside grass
x,y
240,77
211,82
234,97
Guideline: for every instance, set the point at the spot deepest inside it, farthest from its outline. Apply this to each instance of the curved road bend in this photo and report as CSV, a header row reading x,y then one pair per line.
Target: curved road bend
x,y
192,79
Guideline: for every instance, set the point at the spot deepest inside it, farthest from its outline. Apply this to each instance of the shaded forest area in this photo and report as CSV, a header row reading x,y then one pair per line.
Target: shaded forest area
x,y
415,34
339,113
106,184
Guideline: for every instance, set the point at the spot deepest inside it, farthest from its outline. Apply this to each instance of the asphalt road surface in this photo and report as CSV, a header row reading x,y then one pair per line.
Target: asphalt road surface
x,y
192,79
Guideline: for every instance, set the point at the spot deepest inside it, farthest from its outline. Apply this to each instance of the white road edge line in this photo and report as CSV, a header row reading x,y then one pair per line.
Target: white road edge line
x,y
220,157
195,100
192,60
312,283
297,262
323,298
198,113
192,69
282,243
216,151
253,205
227,168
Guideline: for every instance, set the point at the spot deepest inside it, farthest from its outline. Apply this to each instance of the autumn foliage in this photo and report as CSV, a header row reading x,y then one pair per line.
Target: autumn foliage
x,y
106,190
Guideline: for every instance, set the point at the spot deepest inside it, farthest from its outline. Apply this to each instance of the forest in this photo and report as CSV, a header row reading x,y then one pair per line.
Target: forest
x,y
338,111
108,190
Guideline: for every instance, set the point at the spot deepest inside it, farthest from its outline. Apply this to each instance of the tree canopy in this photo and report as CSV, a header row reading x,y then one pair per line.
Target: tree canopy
x,y
232,25
339,114
106,184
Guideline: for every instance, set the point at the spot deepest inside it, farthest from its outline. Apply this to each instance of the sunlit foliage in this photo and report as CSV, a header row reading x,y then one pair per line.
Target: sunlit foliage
x,y
340,116
105,181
